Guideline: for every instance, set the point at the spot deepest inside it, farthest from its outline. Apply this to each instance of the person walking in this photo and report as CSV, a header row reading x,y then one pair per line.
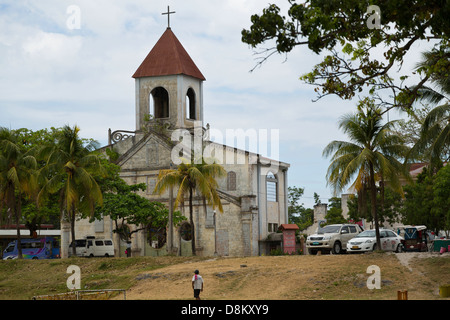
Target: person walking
x,y
197,284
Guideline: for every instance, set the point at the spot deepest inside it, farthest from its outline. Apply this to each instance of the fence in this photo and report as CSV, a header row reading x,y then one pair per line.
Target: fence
x,y
104,294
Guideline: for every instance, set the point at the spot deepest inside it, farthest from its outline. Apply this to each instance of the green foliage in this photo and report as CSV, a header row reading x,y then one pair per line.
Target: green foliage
x,y
387,206
297,213
427,200
334,213
192,178
17,178
339,31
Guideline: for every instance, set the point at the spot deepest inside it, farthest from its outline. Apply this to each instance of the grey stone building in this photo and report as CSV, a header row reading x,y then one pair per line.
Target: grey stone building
x,y
169,112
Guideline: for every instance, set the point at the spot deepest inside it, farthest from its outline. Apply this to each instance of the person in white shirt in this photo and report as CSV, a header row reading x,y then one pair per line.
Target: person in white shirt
x,y
197,284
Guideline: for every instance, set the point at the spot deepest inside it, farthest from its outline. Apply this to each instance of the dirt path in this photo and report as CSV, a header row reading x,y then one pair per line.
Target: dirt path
x,y
293,277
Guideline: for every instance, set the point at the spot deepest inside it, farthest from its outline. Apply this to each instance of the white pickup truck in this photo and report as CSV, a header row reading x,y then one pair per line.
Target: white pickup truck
x,y
332,238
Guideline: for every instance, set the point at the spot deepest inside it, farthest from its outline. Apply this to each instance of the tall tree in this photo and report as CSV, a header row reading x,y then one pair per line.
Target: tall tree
x,y
69,171
125,206
189,179
372,154
17,177
434,138
350,34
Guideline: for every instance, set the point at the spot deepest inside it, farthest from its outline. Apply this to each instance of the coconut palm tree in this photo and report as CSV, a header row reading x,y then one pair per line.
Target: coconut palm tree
x,y
17,177
372,154
189,179
435,132
69,171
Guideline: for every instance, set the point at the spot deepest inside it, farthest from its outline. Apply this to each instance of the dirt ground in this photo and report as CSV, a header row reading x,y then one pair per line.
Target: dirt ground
x,y
329,277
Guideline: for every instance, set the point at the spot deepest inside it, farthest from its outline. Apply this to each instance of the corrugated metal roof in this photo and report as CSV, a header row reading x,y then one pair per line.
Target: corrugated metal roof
x,y
168,57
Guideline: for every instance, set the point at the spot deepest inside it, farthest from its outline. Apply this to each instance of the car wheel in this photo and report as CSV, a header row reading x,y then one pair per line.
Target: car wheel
x,y
399,248
312,252
337,249
374,247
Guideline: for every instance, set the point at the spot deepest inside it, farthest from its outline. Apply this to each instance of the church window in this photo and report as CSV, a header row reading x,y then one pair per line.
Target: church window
x,y
231,181
271,187
272,227
186,231
159,103
190,104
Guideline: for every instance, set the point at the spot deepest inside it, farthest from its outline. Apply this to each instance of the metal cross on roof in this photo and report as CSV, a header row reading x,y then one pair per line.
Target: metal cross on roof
x,y
168,16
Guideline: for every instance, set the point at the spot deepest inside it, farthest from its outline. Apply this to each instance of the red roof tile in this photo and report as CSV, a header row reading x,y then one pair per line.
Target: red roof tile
x,y
168,57
289,227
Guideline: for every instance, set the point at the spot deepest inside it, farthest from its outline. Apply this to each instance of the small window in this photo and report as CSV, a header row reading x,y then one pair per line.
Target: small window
x,y
108,243
272,227
186,231
190,104
98,243
390,234
231,181
159,103
271,187
352,229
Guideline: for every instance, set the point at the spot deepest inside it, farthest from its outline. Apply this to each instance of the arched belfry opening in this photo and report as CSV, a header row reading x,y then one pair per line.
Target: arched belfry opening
x,y
159,103
169,85
190,104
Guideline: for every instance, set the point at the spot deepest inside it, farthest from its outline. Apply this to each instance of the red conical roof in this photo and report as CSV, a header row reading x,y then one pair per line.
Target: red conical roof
x,y
168,57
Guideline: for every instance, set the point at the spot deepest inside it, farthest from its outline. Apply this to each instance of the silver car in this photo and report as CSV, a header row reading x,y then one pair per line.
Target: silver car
x,y
367,241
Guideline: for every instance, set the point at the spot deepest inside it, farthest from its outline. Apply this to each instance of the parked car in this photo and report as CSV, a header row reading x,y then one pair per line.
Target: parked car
x,y
367,241
92,247
332,238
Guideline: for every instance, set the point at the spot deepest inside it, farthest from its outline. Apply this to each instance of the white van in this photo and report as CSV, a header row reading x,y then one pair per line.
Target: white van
x,y
91,247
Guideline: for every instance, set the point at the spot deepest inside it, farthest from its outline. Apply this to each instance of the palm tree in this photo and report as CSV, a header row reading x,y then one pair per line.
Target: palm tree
x,y
70,168
17,177
191,178
435,132
373,154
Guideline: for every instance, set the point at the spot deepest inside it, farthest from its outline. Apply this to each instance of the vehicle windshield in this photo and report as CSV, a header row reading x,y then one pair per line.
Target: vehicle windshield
x,y
79,243
329,229
366,234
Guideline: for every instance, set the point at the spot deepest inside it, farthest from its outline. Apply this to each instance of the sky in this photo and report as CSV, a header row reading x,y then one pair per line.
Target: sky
x,y
71,63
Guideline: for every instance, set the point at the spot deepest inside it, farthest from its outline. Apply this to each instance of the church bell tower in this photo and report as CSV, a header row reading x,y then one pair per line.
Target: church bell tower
x,y
169,86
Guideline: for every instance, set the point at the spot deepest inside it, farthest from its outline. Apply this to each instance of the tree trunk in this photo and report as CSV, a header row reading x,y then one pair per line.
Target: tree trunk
x,y
72,231
191,209
18,213
373,199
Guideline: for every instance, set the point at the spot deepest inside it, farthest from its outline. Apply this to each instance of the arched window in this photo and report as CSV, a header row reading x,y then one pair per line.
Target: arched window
x,y
190,104
231,181
271,187
186,231
159,103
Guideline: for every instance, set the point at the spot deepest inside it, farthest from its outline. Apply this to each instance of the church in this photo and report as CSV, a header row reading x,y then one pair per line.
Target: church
x,y
169,109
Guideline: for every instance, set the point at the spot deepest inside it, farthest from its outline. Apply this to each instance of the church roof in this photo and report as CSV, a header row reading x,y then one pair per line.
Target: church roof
x,y
168,57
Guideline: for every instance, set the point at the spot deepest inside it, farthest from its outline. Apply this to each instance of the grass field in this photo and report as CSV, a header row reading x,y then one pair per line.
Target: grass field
x,y
328,277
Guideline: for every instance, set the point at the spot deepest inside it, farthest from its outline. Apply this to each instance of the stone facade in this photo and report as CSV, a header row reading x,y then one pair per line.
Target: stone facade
x,y
166,104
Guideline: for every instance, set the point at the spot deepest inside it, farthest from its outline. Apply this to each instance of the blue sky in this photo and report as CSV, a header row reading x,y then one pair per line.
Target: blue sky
x,y
52,75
